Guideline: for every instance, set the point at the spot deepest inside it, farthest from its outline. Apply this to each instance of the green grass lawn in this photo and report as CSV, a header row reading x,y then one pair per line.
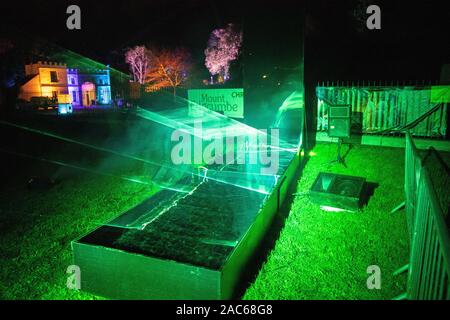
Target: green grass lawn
x,y
319,255
38,226
325,255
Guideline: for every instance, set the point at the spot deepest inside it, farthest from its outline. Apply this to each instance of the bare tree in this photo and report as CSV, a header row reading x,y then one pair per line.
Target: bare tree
x,y
137,58
167,68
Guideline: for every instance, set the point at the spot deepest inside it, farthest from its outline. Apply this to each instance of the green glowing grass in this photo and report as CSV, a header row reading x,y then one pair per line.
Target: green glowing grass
x,y
324,255
38,226
319,255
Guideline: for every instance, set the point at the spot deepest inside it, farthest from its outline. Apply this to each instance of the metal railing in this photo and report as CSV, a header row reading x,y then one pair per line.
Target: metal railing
x,y
429,262
429,267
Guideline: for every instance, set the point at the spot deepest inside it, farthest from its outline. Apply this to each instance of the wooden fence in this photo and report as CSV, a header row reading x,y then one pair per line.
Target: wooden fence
x,y
377,108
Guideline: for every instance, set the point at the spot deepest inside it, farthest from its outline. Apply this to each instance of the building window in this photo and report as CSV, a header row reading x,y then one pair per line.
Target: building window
x,y
53,76
74,96
72,80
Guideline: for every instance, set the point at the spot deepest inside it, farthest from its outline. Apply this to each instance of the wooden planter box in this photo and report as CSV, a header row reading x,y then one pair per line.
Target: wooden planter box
x,y
179,265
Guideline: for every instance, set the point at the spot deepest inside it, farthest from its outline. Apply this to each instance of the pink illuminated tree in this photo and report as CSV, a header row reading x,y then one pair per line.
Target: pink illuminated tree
x,y
223,47
138,60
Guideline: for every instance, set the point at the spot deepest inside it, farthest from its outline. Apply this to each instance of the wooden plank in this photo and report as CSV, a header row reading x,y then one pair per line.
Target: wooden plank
x,y
118,274
398,142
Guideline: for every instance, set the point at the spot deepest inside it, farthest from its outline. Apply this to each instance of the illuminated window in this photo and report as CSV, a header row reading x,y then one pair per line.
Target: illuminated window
x,y
53,76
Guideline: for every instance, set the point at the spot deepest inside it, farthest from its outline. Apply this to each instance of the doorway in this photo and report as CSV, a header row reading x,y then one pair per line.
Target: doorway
x,y
88,94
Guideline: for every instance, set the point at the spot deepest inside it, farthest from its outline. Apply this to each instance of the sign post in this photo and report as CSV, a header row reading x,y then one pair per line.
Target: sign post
x,y
230,102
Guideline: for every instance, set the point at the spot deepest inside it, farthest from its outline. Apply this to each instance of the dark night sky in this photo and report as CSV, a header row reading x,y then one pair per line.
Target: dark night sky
x,y
110,25
413,43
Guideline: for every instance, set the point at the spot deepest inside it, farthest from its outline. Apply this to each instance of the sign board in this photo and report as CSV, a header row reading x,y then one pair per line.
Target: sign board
x,y
230,102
